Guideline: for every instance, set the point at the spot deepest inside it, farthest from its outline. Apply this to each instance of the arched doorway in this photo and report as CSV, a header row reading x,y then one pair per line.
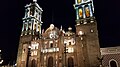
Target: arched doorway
x,y
70,62
113,63
50,62
33,64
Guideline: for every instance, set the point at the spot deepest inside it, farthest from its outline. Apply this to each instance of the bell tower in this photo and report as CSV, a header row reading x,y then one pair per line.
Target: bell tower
x,y
31,31
84,11
32,19
86,30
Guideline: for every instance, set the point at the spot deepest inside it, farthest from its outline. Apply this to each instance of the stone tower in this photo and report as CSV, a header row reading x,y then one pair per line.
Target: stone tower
x,y
31,31
86,30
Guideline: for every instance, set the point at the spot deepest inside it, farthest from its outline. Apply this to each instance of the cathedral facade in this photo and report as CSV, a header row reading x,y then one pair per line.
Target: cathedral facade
x,y
56,48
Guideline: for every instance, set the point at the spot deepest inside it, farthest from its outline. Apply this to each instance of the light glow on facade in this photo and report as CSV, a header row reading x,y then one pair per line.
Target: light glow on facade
x,y
50,50
34,45
80,33
69,41
70,49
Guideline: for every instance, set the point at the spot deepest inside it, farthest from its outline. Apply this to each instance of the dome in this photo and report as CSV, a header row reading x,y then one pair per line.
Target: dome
x,y
52,29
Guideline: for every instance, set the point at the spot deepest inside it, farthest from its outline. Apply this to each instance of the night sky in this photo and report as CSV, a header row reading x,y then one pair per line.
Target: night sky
x,y
58,12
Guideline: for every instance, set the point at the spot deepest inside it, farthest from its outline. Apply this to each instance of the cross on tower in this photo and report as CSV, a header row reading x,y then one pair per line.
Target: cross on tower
x,y
34,0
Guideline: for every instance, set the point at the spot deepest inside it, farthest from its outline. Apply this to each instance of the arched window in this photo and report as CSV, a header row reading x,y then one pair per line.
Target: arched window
x,y
29,26
50,62
69,43
80,13
79,1
25,27
27,11
51,45
38,29
87,11
33,64
113,63
70,62
32,11
35,27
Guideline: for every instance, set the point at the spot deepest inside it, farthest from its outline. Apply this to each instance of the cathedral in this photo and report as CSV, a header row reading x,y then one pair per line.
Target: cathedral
x,y
55,47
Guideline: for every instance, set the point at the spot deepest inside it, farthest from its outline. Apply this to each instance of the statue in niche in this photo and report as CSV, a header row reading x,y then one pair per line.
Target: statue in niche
x,y
80,13
87,11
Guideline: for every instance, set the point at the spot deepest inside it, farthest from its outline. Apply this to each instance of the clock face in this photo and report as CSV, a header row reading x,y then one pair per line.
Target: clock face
x,y
52,35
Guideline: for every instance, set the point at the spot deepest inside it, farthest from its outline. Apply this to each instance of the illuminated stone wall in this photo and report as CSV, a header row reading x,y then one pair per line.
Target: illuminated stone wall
x,y
111,54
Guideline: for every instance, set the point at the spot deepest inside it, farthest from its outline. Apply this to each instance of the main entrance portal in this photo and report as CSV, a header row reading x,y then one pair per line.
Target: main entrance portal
x,y
70,62
50,62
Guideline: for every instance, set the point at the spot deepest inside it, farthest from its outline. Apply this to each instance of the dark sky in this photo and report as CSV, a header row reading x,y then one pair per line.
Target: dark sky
x,y
58,12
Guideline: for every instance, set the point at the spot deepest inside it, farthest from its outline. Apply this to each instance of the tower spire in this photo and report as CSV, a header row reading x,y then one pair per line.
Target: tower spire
x,y
61,28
